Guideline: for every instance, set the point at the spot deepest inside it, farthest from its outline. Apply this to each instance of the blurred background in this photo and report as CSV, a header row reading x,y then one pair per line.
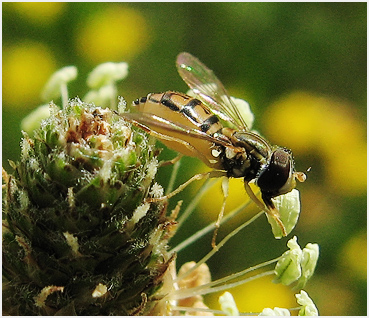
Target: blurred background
x,y
302,68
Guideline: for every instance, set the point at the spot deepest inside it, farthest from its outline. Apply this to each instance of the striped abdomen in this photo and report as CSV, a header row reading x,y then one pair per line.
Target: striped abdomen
x,y
189,112
180,108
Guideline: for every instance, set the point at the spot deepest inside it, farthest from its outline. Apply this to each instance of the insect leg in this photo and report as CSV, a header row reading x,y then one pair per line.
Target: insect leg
x,y
225,183
270,208
273,212
170,162
199,176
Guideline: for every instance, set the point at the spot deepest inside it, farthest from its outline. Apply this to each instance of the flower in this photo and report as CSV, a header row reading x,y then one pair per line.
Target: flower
x,y
275,312
102,80
288,268
33,119
107,73
296,265
54,87
245,111
310,255
228,305
308,307
80,237
288,206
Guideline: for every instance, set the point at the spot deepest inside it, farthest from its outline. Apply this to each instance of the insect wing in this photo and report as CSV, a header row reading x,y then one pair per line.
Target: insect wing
x,y
182,136
149,122
204,83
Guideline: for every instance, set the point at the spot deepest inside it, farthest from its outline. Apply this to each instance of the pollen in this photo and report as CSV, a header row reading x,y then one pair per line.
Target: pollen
x,y
72,242
23,199
99,291
156,190
152,168
140,212
45,292
198,277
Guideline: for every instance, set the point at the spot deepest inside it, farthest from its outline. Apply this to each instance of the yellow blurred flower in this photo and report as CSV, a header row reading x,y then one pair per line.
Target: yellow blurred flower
x,y
354,256
212,200
347,169
294,121
257,295
39,12
26,67
322,126
115,34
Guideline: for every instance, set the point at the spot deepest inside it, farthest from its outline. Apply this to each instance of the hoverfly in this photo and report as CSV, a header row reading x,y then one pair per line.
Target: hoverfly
x,y
192,126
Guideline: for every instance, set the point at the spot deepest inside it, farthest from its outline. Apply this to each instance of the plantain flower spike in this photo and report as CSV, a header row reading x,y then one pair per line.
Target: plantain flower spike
x,y
80,237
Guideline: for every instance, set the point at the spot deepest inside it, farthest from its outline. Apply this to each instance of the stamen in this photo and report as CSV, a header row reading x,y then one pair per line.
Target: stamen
x,y
270,210
173,176
193,238
208,288
222,242
194,202
198,310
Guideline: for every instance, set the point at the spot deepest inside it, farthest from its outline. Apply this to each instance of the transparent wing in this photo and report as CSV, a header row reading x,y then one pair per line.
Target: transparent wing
x,y
153,122
163,129
209,88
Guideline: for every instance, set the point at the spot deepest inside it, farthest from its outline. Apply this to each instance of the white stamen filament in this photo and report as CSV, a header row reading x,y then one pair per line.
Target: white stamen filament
x,y
192,309
64,94
173,176
193,238
209,288
221,243
191,207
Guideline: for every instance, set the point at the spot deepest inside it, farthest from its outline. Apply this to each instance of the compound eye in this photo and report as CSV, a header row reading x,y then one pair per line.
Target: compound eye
x,y
275,178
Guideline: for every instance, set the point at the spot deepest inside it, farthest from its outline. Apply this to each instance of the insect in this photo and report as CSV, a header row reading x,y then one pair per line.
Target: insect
x,y
193,127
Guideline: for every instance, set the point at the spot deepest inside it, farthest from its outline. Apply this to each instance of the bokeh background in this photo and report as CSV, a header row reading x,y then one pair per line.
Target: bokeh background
x,y
302,68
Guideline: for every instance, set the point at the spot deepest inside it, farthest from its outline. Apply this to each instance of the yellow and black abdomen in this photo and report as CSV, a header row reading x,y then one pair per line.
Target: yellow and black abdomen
x,y
187,112
180,108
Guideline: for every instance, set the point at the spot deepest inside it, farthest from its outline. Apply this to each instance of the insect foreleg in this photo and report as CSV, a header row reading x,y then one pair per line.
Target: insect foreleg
x,y
271,209
253,197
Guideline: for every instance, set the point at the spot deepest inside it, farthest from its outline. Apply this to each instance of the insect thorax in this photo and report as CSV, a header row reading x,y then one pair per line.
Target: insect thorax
x,y
248,162
241,165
